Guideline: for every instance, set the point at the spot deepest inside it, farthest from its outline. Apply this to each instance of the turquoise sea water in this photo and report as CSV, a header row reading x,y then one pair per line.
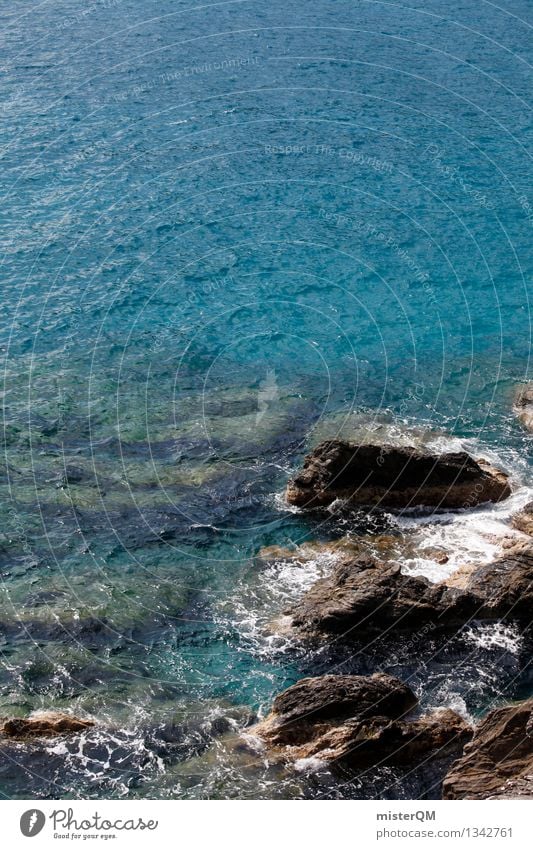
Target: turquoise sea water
x,y
229,230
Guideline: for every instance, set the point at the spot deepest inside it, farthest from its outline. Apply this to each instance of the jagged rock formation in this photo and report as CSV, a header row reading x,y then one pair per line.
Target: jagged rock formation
x,y
43,724
498,763
363,594
357,720
392,476
523,521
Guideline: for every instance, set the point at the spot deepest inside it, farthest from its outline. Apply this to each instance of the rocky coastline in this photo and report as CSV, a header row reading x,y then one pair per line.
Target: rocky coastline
x,y
365,721
340,721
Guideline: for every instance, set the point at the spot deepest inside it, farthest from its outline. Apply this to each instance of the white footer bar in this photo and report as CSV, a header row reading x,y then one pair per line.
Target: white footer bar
x,y
272,824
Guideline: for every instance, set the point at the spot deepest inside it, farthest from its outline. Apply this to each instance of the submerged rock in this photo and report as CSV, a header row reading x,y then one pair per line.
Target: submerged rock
x,y
180,739
43,724
356,720
524,405
392,476
498,763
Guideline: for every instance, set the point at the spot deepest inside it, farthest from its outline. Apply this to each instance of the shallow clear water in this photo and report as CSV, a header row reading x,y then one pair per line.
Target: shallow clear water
x,y
230,230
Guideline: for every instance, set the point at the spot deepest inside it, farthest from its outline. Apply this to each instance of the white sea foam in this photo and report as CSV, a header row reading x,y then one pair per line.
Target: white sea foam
x,y
456,702
468,536
465,537
254,606
309,765
495,635
100,754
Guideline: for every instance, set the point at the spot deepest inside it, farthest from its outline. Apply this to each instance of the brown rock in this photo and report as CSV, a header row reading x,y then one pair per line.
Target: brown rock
x,y
45,724
523,521
524,405
498,763
515,788
364,593
392,476
398,742
332,697
460,578
310,550
506,585
358,720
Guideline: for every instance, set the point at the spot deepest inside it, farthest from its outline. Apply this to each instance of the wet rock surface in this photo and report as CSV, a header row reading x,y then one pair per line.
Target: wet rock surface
x,y
395,477
524,405
498,763
44,724
314,699
358,721
506,585
365,593
523,521
400,742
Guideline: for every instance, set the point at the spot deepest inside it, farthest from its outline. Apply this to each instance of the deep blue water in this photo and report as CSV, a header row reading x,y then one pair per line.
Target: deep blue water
x,y
230,229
